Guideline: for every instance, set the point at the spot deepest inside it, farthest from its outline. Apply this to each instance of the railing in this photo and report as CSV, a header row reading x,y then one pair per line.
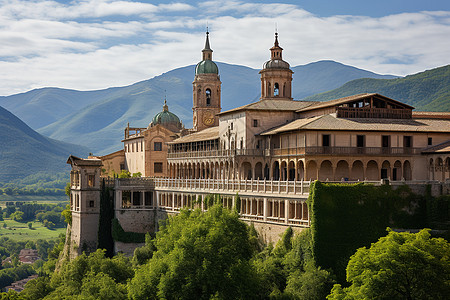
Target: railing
x,y
235,185
141,182
319,150
373,112
216,153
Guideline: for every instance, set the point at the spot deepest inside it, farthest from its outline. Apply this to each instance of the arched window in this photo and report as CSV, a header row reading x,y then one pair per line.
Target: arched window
x,y
276,89
208,97
269,90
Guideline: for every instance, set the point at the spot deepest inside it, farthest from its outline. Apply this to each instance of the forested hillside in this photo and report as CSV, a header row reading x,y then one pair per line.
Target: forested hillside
x,y
426,91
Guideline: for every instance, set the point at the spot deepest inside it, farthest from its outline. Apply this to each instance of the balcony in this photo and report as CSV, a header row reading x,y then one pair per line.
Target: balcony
x,y
319,150
215,153
373,112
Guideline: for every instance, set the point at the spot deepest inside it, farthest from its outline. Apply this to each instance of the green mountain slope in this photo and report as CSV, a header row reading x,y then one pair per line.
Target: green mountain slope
x,y
23,151
426,91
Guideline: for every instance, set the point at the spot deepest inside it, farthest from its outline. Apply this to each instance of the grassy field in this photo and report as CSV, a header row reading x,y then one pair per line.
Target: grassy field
x,y
38,199
20,231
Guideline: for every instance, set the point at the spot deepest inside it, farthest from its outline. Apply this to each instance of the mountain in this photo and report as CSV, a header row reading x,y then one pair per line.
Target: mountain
x,y
426,91
97,118
23,151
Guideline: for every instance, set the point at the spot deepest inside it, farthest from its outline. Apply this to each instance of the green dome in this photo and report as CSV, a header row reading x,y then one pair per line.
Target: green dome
x,y
167,119
206,67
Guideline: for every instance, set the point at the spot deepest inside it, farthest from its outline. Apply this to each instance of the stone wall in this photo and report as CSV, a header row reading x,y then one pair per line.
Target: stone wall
x,y
272,232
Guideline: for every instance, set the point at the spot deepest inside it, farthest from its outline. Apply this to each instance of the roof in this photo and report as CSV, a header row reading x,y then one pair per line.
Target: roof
x,y
331,122
344,100
272,105
430,115
73,160
437,149
206,67
204,135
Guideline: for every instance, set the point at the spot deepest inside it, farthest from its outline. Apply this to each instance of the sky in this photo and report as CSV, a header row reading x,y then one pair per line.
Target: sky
x,y
96,44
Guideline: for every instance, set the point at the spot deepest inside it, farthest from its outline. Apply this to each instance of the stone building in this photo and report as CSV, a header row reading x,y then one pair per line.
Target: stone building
x,y
268,152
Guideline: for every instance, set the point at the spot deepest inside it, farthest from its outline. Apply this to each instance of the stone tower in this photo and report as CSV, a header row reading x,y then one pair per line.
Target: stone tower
x,y
206,91
84,204
276,76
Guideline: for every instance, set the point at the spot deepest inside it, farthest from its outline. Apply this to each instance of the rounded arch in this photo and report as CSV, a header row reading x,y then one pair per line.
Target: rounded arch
x,y
266,172
385,170
357,170
276,170
326,171
283,171
342,170
311,170
258,171
397,173
372,170
246,170
407,170
300,170
291,171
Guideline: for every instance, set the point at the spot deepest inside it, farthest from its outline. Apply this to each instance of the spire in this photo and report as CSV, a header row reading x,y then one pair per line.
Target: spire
x,y
165,107
276,50
207,52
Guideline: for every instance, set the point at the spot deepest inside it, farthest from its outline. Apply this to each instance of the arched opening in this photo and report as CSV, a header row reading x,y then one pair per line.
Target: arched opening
x,y
269,89
342,171
311,170
357,171
258,171
439,169
276,171
397,171
291,171
283,171
266,172
372,170
300,170
326,171
246,170
431,169
385,170
276,89
208,97
407,171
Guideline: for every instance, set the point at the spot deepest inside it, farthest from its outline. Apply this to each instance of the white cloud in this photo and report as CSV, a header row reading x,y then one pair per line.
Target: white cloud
x,y
97,43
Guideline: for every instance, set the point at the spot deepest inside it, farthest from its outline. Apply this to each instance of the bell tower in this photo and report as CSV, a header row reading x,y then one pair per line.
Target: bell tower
x,y
276,75
206,91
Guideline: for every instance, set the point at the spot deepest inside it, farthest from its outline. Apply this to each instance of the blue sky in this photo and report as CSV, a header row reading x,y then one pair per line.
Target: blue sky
x,y
94,44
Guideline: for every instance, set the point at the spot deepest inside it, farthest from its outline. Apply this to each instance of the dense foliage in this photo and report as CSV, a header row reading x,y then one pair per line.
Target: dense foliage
x,y
39,184
49,214
399,266
347,217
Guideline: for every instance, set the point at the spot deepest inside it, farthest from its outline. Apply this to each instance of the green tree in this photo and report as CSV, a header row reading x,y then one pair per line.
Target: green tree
x,y
125,174
30,225
199,256
399,266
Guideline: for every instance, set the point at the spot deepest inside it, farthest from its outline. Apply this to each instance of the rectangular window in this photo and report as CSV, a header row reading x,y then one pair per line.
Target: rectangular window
x,y
360,141
126,198
91,203
148,199
430,141
231,125
158,167
385,141
136,198
407,141
326,140
157,146
255,123
91,180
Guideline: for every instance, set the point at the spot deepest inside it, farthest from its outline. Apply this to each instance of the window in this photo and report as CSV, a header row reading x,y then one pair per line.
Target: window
x,y
91,203
91,180
276,89
157,146
360,141
136,198
208,97
385,141
122,167
148,199
255,123
231,125
326,140
407,141
158,167
430,141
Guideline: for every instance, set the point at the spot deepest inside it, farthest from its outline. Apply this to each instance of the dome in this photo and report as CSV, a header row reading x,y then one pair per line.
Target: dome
x,y
167,119
276,64
206,67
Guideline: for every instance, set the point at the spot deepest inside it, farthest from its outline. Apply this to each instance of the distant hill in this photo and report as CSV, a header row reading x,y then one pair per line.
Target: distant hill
x,y
23,151
97,118
426,91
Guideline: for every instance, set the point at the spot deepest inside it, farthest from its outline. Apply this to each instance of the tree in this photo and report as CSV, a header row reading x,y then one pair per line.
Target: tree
x,y
125,174
399,266
30,225
199,256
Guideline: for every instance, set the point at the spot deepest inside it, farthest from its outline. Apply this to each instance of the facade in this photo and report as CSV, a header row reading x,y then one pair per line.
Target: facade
x,y
268,152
